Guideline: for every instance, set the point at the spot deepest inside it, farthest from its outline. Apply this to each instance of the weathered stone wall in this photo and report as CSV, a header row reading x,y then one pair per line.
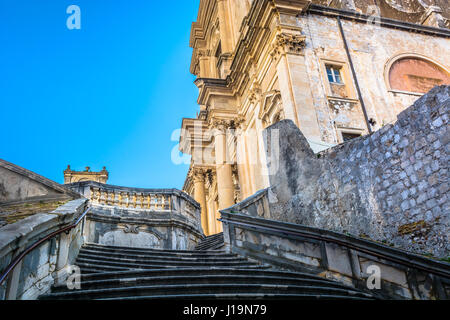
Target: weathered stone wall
x,y
19,184
141,229
390,186
47,264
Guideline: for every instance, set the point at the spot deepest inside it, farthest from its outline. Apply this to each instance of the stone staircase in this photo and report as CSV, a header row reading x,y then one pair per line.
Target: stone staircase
x,y
119,273
214,242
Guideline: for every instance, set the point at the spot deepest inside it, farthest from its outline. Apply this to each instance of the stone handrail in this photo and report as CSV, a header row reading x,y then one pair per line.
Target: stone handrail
x,y
249,231
47,262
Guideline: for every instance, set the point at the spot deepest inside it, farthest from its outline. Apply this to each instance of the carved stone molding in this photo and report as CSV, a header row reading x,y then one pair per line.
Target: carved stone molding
x,y
239,123
271,108
220,125
198,175
128,228
203,53
255,93
338,105
287,43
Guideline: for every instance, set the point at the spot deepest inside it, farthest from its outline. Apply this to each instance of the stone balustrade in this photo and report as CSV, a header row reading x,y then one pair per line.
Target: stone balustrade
x,y
128,199
146,218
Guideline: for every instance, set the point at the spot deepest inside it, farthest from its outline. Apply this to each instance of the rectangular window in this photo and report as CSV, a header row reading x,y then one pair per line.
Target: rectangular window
x,y
334,74
347,136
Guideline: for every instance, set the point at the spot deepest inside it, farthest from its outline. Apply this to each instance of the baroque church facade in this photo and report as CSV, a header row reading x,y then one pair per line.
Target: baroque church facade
x,y
337,69
319,170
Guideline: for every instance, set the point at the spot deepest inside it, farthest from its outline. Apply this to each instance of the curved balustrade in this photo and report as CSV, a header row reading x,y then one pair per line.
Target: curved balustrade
x,y
162,200
137,200
160,218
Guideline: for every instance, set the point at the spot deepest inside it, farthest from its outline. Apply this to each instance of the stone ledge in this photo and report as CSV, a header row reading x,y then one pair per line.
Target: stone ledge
x,y
38,178
288,230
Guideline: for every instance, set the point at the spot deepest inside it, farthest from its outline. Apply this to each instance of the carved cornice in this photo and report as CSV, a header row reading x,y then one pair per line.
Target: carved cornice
x,y
287,43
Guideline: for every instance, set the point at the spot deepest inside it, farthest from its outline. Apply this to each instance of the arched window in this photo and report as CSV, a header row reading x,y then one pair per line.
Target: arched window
x,y
416,74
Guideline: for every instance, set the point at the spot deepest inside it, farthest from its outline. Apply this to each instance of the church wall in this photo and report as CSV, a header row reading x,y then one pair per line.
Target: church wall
x,y
372,48
284,49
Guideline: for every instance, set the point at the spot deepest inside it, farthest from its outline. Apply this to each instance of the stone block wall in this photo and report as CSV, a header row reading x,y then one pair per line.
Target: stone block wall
x,y
391,186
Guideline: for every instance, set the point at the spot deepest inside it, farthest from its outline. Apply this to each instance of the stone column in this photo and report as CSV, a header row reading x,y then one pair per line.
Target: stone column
x,y
298,104
227,36
200,197
225,184
204,63
13,282
226,33
60,273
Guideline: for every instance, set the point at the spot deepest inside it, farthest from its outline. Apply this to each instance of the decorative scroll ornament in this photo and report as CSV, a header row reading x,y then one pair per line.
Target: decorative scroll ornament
x,y
287,43
239,122
339,105
131,229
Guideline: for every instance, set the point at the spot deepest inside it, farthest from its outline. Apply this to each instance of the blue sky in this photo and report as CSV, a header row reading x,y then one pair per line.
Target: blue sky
x,y
110,94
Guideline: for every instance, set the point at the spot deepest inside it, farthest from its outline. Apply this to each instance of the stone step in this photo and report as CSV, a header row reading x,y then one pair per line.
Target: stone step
x,y
213,239
241,296
209,243
257,278
212,242
212,247
95,261
108,271
122,273
214,236
263,269
193,289
140,260
101,253
150,251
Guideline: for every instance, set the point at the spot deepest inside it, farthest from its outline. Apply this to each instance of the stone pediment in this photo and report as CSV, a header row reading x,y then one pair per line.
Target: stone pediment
x,y
21,185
